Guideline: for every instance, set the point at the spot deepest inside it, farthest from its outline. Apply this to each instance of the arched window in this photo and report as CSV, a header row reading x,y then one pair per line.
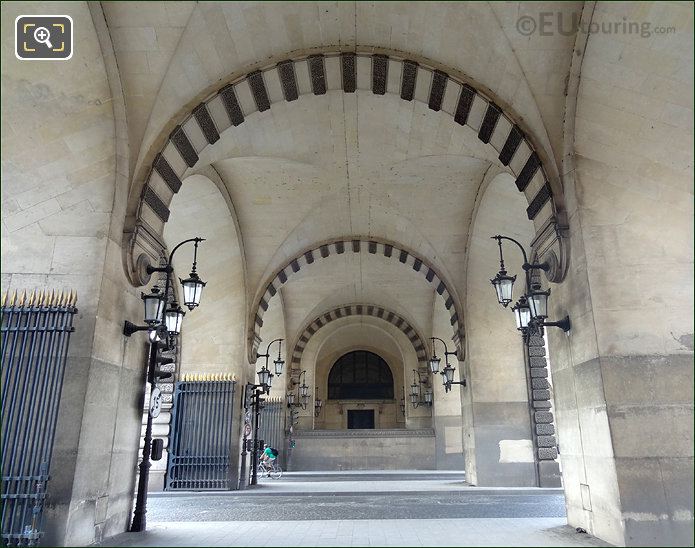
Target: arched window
x,y
360,375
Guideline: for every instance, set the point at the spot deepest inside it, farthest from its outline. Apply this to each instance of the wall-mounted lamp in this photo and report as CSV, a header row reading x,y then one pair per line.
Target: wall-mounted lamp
x,y
448,371
531,310
161,322
302,398
417,398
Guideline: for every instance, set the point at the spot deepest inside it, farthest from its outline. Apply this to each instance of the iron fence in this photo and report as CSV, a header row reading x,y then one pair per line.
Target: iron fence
x,y
271,427
35,339
201,434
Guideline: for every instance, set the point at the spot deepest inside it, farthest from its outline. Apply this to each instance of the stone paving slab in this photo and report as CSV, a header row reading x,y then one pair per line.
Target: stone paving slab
x,y
433,532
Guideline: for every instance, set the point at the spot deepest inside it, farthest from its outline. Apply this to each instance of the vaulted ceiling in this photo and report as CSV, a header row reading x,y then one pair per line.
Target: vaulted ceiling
x,y
335,165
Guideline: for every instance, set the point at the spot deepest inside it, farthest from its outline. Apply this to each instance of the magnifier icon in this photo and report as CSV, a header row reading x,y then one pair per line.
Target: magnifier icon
x,y
43,36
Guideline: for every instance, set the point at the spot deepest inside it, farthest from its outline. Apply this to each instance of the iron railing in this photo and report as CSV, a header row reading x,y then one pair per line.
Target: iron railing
x,y
201,434
35,338
271,426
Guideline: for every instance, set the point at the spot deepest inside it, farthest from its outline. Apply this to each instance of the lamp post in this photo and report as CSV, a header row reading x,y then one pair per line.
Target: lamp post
x,y
265,379
448,371
416,398
531,310
161,323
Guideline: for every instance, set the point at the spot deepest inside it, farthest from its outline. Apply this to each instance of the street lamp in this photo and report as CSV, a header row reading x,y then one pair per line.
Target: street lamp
x,y
416,398
448,371
265,377
532,308
193,285
161,323
435,360
279,362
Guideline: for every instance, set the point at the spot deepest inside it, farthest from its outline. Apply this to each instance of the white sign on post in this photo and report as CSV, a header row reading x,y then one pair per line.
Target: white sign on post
x,y
155,402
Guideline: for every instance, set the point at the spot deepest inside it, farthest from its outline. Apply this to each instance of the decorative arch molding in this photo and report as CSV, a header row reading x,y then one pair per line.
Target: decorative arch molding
x,y
356,244
372,310
318,73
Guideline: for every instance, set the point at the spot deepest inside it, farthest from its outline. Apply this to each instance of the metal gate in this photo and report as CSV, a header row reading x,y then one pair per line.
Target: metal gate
x,y
271,426
201,434
35,338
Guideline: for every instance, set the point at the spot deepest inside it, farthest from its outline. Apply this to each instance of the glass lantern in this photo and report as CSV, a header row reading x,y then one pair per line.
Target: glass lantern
x,y
264,377
279,364
522,313
448,374
538,303
434,364
173,318
504,286
154,306
192,290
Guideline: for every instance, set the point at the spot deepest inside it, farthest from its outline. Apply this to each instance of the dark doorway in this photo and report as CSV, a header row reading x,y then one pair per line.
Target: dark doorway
x,y
360,419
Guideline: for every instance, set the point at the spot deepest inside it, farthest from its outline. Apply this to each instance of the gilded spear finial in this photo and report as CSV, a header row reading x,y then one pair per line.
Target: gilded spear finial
x,y
4,297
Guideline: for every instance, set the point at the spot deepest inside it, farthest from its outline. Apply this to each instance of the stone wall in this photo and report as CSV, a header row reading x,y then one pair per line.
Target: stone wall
x,y
363,450
497,427
64,191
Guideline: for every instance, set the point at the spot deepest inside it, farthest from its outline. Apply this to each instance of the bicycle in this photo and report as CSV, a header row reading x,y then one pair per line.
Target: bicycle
x,y
273,471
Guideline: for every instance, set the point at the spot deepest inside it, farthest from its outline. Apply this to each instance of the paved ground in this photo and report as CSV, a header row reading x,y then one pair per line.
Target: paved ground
x,y
360,506
352,509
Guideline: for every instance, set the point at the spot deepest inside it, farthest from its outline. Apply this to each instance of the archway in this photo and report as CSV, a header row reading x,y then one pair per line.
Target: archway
x,y
317,75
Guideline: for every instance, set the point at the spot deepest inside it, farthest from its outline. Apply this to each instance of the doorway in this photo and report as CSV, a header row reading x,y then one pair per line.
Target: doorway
x,y
360,419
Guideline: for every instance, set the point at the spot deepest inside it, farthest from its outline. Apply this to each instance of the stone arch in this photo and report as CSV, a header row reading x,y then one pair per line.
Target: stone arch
x,y
357,244
372,310
348,72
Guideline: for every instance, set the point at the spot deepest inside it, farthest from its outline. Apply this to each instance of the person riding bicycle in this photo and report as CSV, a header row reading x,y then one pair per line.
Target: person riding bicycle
x,y
269,455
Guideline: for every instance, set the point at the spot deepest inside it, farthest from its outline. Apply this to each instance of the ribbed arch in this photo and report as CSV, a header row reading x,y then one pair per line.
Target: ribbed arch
x,y
355,310
317,74
389,250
